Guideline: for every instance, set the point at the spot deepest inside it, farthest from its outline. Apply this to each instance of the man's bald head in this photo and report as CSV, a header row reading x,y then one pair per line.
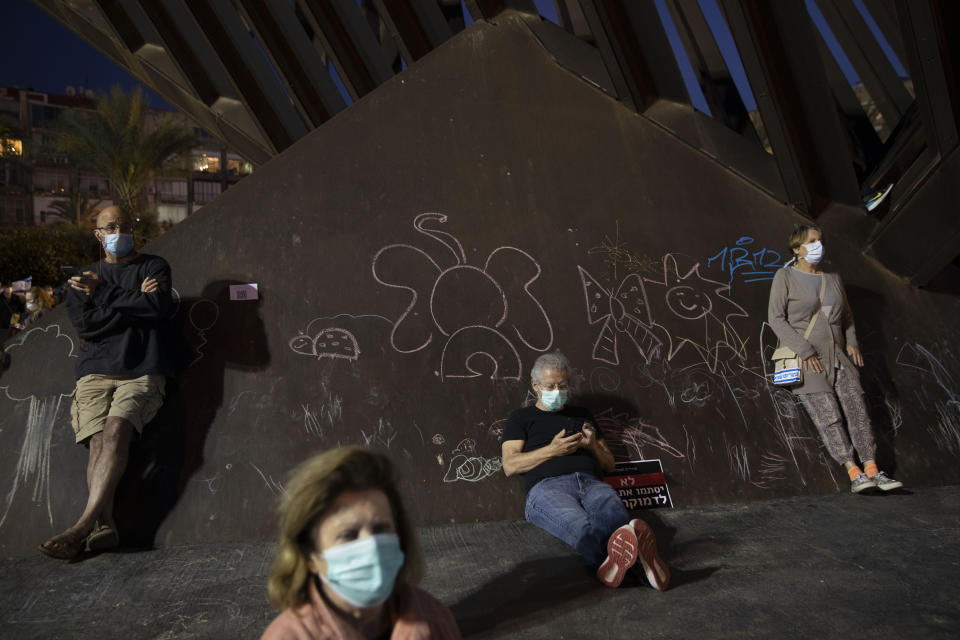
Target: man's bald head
x,y
113,213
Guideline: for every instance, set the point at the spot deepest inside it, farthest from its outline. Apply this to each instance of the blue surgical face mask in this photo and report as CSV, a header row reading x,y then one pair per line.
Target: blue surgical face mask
x,y
814,252
553,400
119,244
362,572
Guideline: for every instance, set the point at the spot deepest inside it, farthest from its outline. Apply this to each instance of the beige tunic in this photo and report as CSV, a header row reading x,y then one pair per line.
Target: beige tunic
x,y
789,311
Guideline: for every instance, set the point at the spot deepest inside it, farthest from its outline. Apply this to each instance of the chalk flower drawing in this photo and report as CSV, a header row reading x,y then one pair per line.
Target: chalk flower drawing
x,y
479,314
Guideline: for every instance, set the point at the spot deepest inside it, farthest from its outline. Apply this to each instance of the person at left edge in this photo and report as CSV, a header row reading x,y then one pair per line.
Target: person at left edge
x,y
119,308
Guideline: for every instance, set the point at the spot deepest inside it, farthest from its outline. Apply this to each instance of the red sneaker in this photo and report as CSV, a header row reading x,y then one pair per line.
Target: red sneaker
x,y
621,555
654,568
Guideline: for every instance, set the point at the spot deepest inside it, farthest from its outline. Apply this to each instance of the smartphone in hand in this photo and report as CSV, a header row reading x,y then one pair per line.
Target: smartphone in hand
x,y
70,271
573,426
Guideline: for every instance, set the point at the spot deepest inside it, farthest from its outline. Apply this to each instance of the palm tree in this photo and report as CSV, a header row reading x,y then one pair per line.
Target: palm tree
x,y
114,139
75,209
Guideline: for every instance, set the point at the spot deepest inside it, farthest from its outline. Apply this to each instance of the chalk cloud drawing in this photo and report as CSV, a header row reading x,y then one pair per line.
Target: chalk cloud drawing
x,y
481,331
33,464
467,465
684,313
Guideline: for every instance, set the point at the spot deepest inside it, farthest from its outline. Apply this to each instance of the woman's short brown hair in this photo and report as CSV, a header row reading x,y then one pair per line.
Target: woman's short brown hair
x,y
313,487
799,234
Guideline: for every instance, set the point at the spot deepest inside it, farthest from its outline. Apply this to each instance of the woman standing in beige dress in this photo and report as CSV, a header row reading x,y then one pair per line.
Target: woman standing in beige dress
x,y
830,356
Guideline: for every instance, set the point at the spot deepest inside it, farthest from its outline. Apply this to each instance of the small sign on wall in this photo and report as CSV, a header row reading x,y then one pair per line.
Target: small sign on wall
x,y
640,484
244,291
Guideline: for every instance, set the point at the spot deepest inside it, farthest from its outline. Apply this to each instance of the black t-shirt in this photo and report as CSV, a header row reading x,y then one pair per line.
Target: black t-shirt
x,y
537,429
123,331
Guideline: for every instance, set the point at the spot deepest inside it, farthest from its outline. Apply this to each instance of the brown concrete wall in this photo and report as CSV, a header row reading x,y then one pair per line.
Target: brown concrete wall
x,y
413,258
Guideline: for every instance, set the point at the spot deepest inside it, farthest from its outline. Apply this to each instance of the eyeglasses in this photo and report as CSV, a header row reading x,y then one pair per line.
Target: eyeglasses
x,y
114,228
562,386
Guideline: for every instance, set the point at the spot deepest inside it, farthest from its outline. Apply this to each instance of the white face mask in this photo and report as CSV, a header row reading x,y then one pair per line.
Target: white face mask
x,y
814,252
32,306
553,400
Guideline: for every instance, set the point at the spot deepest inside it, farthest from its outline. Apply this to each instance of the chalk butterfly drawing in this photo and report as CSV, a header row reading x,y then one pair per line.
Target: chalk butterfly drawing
x,y
479,314
660,319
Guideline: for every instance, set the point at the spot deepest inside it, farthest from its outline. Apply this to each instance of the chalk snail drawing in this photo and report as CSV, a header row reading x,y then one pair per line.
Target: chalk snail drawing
x,y
466,465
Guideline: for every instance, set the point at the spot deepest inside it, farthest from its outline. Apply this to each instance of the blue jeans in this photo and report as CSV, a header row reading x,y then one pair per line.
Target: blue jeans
x,y
579,509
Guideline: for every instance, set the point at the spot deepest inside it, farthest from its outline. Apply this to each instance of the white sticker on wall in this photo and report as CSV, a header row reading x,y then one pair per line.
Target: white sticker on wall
x,y
244,291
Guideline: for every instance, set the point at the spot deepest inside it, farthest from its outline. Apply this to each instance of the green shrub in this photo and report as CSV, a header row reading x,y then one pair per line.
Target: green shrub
x,y
40,251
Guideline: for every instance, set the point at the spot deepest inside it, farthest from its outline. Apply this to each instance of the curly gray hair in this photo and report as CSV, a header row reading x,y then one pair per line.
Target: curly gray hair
x,y
555,360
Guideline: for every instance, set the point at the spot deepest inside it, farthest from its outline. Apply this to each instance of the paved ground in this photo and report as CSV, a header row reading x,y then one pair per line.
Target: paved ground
x,y
837,566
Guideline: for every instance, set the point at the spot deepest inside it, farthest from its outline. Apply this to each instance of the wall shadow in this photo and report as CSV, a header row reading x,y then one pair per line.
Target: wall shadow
x,y
879,388
209,334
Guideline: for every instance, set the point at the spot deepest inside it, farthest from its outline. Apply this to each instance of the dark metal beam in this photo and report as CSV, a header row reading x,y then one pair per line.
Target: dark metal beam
x,y
250,71
778,49
152,65
884,14
635,51
345,36
867,58
719,90
488,9
932,57
295,59
923,235
417,25
572,19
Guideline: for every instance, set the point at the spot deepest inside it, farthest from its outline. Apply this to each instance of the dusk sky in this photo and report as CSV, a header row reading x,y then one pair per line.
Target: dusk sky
x,y
39,53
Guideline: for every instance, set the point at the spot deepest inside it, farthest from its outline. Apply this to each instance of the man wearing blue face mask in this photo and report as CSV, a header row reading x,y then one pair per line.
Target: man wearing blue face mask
x,y
560,453
118,307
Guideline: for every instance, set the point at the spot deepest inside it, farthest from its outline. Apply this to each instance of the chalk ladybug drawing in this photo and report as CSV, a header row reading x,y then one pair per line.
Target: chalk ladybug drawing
x,y
331,342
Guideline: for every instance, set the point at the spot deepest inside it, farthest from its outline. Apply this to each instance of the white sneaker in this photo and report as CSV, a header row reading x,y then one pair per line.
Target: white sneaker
x,y
885,482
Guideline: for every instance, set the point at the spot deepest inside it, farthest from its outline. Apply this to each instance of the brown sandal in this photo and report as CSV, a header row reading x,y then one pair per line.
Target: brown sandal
x,y
65,546
103,538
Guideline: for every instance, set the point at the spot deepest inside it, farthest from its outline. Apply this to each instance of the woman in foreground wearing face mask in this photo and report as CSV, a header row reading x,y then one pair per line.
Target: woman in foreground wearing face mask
x,y
808,311
348,556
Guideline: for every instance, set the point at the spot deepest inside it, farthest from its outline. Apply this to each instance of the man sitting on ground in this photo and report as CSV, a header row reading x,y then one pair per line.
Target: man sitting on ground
x,y
561,454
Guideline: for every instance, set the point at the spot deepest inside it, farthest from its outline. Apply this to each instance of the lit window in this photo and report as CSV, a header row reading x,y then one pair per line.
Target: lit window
x,y
206,163
10,147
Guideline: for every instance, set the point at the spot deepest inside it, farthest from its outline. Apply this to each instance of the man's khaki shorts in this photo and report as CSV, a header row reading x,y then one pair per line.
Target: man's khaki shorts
x,y
98,397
